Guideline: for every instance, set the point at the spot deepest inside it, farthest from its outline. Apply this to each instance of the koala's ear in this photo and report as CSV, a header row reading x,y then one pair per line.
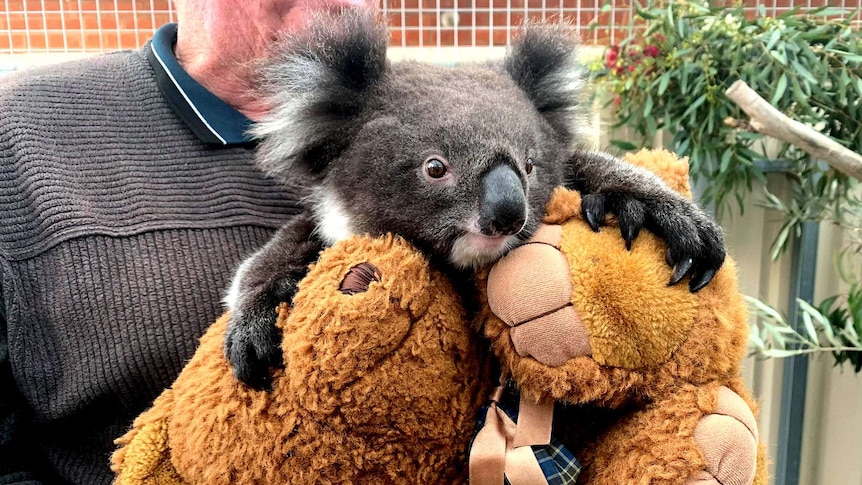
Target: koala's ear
x,y
318,83
543,62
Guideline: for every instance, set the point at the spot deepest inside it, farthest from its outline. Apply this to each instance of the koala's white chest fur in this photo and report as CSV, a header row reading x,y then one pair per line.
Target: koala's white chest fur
x,y
333,223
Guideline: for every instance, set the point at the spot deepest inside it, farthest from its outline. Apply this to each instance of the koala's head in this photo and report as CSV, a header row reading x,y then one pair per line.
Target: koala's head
x,y
460,161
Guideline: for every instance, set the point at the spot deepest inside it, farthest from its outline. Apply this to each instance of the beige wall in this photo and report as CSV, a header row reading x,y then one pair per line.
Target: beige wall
x,y
832,432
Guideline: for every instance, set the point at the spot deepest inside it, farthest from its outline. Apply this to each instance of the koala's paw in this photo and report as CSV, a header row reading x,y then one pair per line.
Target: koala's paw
x,y
695,242
728,440
253,344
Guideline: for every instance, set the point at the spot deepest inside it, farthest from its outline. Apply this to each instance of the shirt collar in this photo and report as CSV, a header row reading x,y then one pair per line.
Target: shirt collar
x,y
210,118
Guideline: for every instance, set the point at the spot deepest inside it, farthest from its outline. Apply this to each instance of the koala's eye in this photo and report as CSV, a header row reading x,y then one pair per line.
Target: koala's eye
x,y
528,166
435,168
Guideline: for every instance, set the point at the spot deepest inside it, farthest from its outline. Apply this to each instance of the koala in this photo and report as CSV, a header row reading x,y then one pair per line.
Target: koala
x,y
459,161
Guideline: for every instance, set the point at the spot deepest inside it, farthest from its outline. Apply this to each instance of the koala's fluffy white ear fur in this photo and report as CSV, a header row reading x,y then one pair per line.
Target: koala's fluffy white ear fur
x,y
315,85
543,62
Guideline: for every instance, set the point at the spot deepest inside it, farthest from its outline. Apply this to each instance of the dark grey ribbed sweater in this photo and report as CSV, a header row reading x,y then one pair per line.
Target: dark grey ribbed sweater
x,y
119,232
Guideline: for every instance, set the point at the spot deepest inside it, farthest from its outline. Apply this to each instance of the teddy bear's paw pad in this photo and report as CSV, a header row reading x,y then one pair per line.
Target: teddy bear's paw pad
x,y
530,290
703,477
359,278
552,339
146,455
728,440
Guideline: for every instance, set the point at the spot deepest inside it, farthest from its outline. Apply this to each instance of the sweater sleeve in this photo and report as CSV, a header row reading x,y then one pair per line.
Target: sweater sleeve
x,y
16,459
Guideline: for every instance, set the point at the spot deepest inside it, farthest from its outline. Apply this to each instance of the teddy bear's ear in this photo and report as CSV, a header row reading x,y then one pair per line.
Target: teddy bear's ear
x,y
672,169
317,83
543,62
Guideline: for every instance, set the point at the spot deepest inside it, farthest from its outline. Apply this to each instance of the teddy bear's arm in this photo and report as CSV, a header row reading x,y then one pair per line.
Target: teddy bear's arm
x,y
640,199
267,278
728,440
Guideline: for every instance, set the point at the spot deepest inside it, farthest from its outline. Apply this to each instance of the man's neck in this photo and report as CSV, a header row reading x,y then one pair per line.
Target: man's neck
x,y
228,79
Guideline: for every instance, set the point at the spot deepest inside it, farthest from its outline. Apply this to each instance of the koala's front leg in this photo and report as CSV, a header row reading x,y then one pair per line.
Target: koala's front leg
x,y
266,279
639,199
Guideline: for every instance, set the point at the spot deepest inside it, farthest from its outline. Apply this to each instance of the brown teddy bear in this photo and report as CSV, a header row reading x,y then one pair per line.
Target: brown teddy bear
x,y
384,377
649,373
381,383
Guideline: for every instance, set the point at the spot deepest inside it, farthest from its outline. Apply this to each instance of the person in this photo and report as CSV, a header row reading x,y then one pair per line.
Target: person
x,y
129,196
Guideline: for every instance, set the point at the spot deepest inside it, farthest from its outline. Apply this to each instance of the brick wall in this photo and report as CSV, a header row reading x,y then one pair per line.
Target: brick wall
x,y
490,22
28,26
79,25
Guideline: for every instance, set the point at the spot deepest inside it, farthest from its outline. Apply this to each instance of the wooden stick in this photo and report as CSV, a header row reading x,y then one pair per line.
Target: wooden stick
x,y
767,120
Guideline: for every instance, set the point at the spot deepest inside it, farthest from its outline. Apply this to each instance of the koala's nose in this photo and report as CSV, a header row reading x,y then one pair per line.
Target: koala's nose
x,y
503,209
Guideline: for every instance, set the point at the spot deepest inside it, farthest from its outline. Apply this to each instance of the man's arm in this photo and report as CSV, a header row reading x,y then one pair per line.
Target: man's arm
x,y
16,460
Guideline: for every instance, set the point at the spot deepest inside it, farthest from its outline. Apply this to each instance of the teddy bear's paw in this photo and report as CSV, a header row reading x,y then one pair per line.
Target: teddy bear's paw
x,y
728,440
145,459
531,291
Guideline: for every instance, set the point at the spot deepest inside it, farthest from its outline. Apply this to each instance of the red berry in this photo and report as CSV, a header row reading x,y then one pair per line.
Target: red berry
x,y
651,51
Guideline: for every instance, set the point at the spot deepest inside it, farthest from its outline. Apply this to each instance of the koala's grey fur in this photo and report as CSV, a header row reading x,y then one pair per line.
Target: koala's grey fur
x,y
359,131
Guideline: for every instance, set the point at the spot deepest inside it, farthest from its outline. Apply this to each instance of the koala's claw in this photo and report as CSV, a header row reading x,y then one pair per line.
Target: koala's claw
x,y
699,280
679,270
253,346
631,214
593,207
690,234
629,211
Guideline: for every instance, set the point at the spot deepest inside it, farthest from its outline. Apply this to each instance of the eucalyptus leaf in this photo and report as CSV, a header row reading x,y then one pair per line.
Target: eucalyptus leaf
x,y
810,68
624,145
764,309
781,353
648,106
781,241
694,106
755,341
781,57
801,69
830,12
809,328
773,38
776,337
663,82
847,56
783,329
780,89
849,333
646,14
725,159
809,310
830,335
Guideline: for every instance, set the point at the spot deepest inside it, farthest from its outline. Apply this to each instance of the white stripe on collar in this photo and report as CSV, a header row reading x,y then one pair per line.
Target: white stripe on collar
x,y
185,96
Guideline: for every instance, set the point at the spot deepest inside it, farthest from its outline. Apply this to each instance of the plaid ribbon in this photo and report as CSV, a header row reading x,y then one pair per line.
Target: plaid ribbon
x,y
558,464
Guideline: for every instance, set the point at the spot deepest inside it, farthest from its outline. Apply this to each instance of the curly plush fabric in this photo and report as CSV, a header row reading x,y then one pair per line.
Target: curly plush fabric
x,y
379,386
657,360
384,375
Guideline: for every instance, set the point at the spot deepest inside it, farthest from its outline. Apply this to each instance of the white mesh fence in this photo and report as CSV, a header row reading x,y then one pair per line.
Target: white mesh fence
x,y
76,26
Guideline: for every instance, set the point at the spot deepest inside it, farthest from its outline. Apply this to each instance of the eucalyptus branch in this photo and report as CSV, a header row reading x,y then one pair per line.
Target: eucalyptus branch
x,y
767,120
826,329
